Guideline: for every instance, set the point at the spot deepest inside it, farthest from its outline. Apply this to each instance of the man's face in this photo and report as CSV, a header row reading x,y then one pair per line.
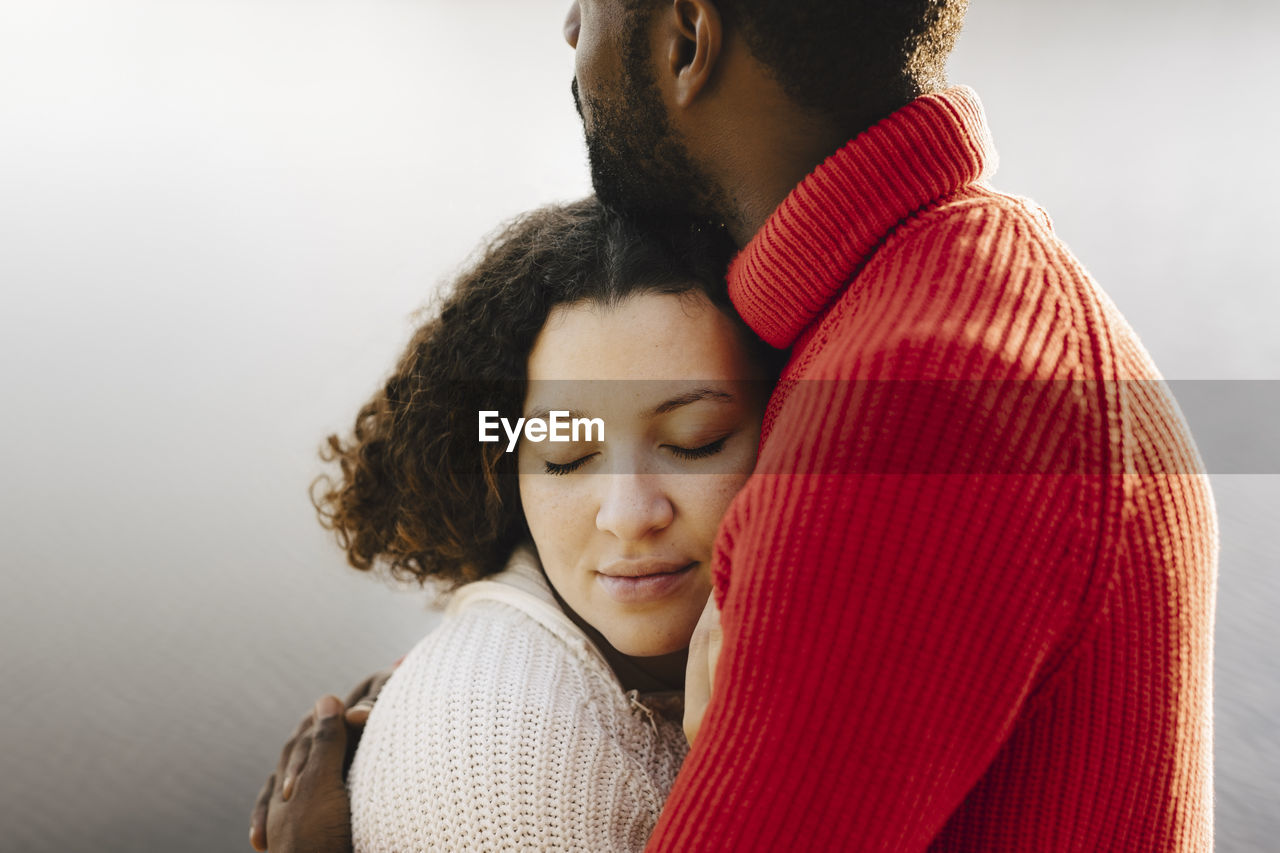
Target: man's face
x,y
638,160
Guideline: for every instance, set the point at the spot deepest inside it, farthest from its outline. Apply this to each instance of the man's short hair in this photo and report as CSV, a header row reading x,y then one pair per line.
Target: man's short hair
x,y
850,61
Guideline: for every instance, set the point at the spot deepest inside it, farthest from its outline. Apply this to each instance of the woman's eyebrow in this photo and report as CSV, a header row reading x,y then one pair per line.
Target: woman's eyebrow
x,y
544,412
691,397
662,408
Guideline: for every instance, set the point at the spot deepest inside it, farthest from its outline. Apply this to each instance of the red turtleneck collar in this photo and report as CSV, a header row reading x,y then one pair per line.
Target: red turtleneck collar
x,y
827,228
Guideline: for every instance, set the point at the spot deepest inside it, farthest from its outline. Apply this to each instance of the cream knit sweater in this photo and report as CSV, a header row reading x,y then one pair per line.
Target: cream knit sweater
x,y
504,729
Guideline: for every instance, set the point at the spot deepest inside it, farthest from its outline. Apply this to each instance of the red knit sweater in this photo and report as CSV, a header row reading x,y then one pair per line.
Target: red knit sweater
x,y
958,615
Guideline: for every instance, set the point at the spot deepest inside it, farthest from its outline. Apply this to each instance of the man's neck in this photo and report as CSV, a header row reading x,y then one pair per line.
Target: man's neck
x,y
759,175
760,155
753,201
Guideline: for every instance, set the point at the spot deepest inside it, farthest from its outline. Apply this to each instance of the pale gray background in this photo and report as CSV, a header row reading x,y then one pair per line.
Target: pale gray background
x,y
216,218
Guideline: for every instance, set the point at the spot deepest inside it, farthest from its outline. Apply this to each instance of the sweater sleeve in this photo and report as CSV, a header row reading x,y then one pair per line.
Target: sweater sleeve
x,y
894,582
493,735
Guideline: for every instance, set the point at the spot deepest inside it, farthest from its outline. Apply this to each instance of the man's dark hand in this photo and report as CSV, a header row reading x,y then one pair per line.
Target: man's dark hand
x,y
303,806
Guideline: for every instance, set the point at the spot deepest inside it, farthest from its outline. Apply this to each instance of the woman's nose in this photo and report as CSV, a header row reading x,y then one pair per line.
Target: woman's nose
x,y
573,23
633,506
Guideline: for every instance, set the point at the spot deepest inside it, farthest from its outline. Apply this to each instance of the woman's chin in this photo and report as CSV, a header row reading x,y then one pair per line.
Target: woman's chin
x,y
643,643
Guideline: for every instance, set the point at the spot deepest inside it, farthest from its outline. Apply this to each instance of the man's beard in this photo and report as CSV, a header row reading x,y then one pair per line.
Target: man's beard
x,y
638,161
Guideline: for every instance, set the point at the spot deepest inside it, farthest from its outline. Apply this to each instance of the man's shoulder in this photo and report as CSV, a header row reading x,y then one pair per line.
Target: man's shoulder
x,y
978,271
978,222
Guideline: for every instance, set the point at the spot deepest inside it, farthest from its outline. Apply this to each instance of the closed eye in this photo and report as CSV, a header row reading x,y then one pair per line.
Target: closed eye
x,y
567,467
698,452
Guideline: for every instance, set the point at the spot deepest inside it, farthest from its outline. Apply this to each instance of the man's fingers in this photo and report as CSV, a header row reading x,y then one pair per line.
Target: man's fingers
x,y
328,747
294,756
361,700
297,761
358,714
316,750
697,685
287,752
258,820
706,631
715,639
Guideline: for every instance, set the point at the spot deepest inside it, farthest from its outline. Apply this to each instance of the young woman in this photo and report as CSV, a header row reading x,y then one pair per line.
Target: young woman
x,y
538,715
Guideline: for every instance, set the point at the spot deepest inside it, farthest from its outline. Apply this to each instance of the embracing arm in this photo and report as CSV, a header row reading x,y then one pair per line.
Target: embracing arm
x,y
886,614
303,806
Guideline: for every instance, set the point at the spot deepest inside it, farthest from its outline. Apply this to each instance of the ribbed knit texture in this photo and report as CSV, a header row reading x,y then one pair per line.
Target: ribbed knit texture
x,y
980,616
504,729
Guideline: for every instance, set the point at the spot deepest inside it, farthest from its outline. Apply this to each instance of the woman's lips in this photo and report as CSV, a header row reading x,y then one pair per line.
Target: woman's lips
x,y
634,584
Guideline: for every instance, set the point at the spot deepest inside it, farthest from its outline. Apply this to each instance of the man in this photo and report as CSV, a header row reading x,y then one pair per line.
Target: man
x,y
967,598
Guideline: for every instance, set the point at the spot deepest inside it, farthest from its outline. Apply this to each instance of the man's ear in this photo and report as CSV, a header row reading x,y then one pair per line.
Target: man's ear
x,y
691,33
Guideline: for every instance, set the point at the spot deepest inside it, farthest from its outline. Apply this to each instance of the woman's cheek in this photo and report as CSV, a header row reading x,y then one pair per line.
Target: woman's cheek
x,y
707,497
555,512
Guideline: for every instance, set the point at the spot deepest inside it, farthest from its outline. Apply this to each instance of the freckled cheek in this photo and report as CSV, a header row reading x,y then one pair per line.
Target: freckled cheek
x,y
559,516
707,497
721,488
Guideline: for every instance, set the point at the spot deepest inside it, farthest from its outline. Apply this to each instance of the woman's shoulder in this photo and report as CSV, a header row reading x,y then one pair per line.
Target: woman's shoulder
x,y
494,640
522,589
504,644
490,624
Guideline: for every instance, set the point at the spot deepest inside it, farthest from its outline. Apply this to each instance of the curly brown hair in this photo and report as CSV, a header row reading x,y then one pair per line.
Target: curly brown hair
x,y
417,492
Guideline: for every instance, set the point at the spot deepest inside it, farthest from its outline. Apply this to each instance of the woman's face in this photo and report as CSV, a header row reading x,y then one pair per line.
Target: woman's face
x,y
624,525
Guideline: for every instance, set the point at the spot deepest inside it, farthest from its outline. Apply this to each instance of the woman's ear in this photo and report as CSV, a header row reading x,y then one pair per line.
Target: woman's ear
x,y
691,33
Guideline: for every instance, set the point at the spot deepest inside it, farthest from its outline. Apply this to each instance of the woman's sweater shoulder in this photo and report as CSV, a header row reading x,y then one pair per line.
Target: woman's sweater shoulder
x,y
505,729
